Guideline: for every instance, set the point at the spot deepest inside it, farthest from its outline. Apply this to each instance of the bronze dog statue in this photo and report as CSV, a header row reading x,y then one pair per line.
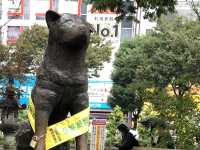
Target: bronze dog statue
x,y
62,81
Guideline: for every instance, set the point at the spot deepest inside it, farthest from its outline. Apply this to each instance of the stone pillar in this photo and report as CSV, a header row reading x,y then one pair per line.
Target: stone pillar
x,y
9,127
129,123
10,143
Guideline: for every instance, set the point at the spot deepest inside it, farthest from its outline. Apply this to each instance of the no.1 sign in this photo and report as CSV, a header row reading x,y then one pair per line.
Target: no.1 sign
x,y
106,26
107,31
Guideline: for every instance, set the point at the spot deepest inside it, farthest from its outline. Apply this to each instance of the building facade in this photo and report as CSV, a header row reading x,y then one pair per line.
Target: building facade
x,y
16,15
184,8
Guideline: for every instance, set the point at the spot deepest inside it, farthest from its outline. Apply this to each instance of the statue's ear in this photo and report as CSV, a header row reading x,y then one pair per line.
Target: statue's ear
x,y
91,27
51,16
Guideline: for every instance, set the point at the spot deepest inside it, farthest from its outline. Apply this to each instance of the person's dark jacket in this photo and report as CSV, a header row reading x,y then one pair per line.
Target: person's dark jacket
x,y
128,139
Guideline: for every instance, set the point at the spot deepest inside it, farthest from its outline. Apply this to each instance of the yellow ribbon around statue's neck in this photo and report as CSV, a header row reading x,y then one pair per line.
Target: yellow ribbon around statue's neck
x,y
62,131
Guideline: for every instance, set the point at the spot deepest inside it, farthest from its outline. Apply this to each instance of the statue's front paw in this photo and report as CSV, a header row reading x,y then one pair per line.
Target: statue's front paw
x,y
40,147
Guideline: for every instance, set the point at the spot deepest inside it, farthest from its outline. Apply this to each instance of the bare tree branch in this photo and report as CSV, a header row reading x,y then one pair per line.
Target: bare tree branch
x,y
9,19
195,7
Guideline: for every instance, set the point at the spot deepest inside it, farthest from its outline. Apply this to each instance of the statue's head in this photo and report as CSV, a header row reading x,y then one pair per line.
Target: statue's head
x,y
68,29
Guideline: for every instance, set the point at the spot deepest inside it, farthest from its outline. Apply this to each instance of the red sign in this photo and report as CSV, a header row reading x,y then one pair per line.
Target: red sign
x,y
99,122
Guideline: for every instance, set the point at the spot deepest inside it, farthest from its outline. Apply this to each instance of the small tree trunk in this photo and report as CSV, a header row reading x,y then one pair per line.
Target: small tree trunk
x,y
11,80
129,119
135,122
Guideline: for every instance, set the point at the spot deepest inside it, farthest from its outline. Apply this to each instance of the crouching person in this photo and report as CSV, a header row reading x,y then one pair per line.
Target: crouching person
x,y
128,138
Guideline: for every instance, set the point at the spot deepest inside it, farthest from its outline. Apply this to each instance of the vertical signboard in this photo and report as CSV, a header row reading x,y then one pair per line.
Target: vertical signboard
x,y
98,135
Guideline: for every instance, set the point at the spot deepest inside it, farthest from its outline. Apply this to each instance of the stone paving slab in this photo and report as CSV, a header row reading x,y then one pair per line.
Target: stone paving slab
x,y
149,148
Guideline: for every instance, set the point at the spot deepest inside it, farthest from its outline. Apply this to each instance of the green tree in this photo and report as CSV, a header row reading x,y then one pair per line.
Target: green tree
x,y
128,8
115,118
99,51
10,68
162,67
4,56
128,91
19,59
31,45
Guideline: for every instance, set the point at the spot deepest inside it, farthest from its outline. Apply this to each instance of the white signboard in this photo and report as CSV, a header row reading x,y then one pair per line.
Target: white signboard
x,y
106,26
98,92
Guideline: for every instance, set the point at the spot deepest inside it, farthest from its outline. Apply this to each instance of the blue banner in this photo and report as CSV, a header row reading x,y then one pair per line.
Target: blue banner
x,y
98,91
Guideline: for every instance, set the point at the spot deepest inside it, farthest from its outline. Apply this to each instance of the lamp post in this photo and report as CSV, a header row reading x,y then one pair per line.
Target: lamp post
x,y
174,136
135,117
9,107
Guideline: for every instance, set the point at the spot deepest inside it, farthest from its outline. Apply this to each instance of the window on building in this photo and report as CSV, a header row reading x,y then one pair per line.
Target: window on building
x,y
127,23
16,9
149,30
40,17
13,33
1,37
84,11
55,4
19,10
27,9
126,29
0,9
42,7
84,8
126,34
15,17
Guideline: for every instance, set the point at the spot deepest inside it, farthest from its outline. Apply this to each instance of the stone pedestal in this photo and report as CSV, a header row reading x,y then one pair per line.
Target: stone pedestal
x,y
9,127
10,142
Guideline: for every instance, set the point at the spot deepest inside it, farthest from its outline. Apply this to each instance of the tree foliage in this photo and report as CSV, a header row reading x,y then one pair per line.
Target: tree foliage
x,y
162,68
128,8
4,59
99,51
10,67
19,59
114,119
31,45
